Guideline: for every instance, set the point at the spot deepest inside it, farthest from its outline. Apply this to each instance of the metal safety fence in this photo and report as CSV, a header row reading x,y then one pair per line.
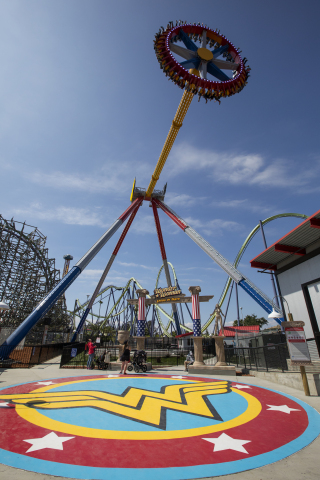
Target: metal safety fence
x,y
31,355
158,354
266,358
161,352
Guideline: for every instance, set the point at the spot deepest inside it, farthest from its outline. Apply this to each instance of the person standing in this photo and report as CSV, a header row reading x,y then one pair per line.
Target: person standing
x,y
125,358
91,348
188,361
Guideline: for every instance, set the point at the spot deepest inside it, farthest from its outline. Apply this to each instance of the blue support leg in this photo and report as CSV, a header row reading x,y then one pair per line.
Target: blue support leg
x,y
18,335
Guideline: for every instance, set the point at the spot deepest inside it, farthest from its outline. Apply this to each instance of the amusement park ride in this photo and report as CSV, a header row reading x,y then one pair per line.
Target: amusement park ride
x,y
202,72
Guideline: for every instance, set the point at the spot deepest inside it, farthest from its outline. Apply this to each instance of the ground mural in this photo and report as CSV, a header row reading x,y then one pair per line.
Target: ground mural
x,y
174,427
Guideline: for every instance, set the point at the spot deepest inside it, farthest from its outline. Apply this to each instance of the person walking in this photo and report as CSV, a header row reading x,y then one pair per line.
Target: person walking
x,y
91,348
125,358
188,361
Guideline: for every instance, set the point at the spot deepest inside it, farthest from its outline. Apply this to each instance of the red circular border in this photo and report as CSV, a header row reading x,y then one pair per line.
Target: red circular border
x,y
269,431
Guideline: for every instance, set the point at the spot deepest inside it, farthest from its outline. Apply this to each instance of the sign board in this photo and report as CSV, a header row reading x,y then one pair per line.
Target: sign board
x,y
167,292
73,352
297,344
171,299
98,340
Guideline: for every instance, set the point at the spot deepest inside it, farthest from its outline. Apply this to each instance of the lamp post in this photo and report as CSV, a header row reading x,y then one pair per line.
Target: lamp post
x,y
275,314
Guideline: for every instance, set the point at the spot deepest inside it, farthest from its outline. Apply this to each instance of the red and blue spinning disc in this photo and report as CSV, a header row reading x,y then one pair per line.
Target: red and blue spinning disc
x,y
157,426
201,60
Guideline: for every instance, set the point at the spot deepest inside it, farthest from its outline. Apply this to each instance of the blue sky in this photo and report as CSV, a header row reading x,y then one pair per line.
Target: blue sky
x,y
85,108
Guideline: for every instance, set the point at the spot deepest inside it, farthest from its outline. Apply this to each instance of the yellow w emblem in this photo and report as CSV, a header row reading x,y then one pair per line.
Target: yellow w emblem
x,y
136,404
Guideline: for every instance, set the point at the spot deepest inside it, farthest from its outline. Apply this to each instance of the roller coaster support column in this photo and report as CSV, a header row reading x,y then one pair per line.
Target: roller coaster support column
x,y
45,304
141,324
197,338
165,264
237,300
105,273
252,290
272,277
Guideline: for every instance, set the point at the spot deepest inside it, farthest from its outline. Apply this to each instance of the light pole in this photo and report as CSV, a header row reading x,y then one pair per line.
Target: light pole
x,y
275,314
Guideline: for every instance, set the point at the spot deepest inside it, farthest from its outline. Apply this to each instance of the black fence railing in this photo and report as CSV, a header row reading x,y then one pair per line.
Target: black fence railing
x,y
158,354
161,352
271,357
30,355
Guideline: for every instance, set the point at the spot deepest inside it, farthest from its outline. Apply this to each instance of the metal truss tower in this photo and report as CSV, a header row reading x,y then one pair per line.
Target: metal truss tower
x,y
27,274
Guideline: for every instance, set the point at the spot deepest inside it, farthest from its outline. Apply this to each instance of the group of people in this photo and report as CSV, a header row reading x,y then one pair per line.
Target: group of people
x,y
125,357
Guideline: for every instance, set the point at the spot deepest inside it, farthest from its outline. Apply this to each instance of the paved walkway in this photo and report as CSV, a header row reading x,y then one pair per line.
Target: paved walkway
x,y
303,464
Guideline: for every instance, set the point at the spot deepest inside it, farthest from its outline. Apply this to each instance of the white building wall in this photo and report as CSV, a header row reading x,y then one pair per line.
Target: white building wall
x,y
290,284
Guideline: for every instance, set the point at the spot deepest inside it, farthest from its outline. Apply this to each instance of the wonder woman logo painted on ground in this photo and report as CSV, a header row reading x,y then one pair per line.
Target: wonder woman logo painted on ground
x,y
82,427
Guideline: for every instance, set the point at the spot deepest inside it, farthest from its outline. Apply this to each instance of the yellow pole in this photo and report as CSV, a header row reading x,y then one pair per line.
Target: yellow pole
x,y
305,380
172,135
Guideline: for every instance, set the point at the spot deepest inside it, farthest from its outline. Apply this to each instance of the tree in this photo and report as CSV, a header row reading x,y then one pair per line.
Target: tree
x,y
251,320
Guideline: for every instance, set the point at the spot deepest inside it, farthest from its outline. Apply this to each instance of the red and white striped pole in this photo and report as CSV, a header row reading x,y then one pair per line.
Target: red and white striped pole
x,y
141,312
195,311
197,338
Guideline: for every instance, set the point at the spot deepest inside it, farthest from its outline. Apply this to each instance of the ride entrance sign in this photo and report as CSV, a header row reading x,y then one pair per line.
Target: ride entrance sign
x,y
297,344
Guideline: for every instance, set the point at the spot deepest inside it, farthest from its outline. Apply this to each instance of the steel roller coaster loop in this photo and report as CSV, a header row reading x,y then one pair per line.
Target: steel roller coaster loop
x,y
241,252
113,312
80,308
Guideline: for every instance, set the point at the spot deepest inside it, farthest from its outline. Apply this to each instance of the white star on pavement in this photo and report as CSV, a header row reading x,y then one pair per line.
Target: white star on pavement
x,y
48,441
240,386
177,376
4,404
283,408
224,442
45,383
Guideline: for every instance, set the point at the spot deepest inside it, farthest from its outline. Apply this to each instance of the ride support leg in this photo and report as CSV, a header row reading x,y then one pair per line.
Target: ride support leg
x,y
165,264
42,308
105,273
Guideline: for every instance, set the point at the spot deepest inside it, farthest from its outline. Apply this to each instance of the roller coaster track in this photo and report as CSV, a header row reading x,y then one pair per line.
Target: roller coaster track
x,y
241,252
165,329
113,311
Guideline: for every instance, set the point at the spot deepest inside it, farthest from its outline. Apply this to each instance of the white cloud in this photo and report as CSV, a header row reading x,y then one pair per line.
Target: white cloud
x,y
246,169
144,224
68,215
183,200
214,227
91,277
89,273
243,204
146,267
112,177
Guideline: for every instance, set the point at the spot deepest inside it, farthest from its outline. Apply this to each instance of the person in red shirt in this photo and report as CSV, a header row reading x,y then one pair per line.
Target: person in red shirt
x,y
91,348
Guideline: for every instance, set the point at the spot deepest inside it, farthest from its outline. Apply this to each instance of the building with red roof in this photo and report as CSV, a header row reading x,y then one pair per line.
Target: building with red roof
x,y
231,331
